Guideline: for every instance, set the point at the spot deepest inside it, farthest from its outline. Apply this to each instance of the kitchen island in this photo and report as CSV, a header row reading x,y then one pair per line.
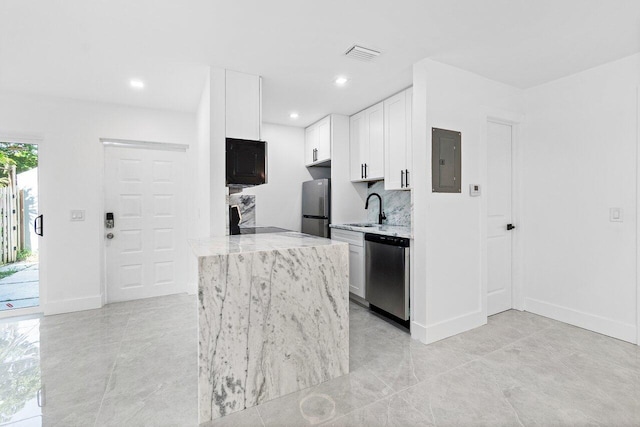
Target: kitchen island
x,y
273,317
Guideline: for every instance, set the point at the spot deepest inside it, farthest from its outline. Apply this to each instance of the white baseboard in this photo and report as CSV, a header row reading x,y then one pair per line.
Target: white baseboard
x,y
592,322
71,305
418,331
450,327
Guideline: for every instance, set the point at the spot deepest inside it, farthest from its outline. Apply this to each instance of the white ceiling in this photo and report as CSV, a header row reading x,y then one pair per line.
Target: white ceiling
x,y
89,49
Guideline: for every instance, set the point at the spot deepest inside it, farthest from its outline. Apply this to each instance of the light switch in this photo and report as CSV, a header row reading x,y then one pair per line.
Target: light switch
x,y
615,215
77,215
474,190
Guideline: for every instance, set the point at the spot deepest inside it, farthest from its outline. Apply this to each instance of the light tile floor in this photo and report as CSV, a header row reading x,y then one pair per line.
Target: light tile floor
x,y
135,364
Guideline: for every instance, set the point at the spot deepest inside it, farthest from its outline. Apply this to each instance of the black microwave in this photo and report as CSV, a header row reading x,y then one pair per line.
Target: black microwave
x,y
246,162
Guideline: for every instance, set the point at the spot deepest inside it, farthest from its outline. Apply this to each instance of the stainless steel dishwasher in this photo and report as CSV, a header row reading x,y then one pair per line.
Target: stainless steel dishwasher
x,y
387,273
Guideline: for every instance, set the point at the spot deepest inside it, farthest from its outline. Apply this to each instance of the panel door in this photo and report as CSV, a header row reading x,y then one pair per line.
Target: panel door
x,y
243,112
499,195
145,191
356,270
357,139
310,143
395,141
324,139
375,142
408,152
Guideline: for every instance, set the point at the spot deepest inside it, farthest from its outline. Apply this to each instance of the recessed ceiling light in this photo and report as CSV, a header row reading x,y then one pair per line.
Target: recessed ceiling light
x,y
294,116
137,84
341,81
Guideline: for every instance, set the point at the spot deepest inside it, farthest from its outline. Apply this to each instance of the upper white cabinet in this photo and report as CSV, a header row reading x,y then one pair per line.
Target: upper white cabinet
x,y
366,144
243,99
397,141
317,142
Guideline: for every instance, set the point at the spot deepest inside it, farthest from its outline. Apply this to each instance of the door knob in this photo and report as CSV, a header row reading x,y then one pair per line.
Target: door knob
x,y
110,236
510,227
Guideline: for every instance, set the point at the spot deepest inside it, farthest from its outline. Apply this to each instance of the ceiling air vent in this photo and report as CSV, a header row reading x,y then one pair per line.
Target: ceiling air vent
x,y
362,53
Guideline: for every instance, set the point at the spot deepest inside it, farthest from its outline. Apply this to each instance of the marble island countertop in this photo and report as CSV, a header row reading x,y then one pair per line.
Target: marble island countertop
x,y
273,317
247,243
384,229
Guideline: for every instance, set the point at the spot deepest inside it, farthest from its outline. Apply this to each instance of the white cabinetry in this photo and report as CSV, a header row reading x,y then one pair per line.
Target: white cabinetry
x,y
317,142
243,99
397,141
367,144
356,259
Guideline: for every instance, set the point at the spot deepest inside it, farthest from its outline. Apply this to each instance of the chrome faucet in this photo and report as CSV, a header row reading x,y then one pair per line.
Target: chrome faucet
x,y
381,215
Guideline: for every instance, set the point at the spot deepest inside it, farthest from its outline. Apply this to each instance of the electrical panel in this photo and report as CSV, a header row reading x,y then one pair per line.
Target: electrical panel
x,y
446,161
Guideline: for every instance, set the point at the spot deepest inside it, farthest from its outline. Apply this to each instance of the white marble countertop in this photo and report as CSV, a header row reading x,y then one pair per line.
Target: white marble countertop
x,y
384,229
247,243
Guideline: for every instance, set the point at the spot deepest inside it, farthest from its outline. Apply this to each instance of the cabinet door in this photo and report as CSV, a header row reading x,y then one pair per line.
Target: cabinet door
x,y
243,113
395,139
356,270
324,139
408,179
375,157
310,143
357,139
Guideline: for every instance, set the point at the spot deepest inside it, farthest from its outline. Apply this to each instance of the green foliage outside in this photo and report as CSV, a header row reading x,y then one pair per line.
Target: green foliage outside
x,y
8,272
23,254
23,156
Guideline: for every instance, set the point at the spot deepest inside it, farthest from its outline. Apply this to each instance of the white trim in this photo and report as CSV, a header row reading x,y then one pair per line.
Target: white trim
x,y
20,312
513,119
457,325
21,138
637,216
124,143
592,322
418,331
74,304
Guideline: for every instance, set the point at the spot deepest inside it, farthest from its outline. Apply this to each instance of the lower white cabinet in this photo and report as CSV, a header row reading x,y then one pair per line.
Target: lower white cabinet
x,y
356,259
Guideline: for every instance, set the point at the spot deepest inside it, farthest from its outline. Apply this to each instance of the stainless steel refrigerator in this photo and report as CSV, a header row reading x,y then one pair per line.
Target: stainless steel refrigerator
x,y
316,205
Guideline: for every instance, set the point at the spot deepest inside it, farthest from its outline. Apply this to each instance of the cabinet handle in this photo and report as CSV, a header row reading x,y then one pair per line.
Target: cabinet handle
x,y
401,179
361,170
406,177
365,171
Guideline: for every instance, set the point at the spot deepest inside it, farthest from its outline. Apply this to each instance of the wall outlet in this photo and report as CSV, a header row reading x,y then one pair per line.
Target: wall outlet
x,y
77,215
615,215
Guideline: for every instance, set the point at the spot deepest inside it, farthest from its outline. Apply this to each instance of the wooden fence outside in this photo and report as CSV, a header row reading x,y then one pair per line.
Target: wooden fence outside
x,y
11,219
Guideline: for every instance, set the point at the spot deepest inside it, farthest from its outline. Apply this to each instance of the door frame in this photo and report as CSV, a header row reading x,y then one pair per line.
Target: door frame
x,y
35,139
139,145
514,120
638,216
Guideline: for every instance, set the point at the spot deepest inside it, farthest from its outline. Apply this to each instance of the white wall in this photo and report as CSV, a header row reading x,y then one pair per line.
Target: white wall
x,y
71,177
580,160
279,201
447,252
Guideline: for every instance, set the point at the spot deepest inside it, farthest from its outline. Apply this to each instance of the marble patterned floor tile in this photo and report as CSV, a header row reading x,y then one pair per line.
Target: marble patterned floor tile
x,y
81,413
392,411
464,396
566,339
324,402
533,374
247,418
135,363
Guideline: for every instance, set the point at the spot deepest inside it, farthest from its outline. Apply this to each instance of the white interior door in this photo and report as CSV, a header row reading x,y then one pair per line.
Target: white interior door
x,y
499,212
144,189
